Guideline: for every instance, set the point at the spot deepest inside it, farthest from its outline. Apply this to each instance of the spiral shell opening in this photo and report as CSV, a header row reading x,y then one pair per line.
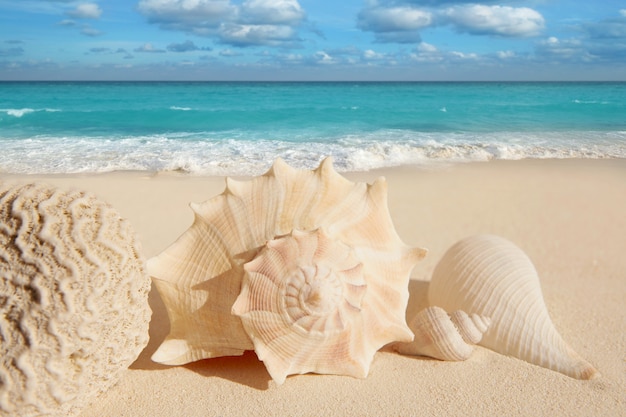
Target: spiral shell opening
x,y
448,337
301,296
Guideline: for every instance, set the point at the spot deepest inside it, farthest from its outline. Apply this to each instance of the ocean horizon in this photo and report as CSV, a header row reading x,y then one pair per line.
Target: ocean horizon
x,y
240,128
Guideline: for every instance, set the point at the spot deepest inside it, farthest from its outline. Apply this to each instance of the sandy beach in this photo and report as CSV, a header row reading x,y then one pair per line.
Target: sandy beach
x,y
567,215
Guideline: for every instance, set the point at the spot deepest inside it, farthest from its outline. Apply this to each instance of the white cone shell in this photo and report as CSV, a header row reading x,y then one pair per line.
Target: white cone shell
x,y
490,276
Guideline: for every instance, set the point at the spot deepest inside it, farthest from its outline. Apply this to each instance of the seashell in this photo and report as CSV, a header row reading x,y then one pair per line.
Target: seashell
x,y
74,308
448,337
304,267
301,302
490,276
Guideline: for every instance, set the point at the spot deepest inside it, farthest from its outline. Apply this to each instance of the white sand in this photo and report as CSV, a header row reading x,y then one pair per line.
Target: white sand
x,y
570,218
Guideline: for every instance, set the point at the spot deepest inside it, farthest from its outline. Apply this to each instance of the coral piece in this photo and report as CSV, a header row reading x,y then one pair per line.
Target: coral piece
x,y
74,308
267,229
490,276
448,337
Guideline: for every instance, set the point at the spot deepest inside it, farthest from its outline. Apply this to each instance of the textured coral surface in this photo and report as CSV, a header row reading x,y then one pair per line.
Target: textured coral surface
x,y
73,299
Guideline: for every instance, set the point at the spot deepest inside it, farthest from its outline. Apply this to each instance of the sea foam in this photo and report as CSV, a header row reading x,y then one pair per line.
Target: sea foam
x,y
24,111
45,155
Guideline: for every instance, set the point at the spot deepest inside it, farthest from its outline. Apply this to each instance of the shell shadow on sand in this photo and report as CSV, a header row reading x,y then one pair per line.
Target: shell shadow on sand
x,y
247,369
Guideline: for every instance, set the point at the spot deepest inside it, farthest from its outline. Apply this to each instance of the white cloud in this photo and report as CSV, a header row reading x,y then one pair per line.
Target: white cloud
x,y
255,22
277,12
427,53
426,47
462,55
394,19
247,35
297,58
554,47
403,23
495,20
551,41
187,46
184,14
86,11
394,24
371,54
322,57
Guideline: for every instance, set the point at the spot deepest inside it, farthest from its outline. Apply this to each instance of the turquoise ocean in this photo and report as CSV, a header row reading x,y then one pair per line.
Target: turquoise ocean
x,y
240,128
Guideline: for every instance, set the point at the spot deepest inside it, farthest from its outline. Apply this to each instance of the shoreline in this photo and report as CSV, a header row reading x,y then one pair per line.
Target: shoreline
x,y
566,214
435,166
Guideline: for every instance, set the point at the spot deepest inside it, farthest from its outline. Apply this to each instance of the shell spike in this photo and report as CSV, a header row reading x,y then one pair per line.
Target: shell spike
x,y
172,352
331,178
195,207
415,255
235,187
326,167
326,164
377,188
280,169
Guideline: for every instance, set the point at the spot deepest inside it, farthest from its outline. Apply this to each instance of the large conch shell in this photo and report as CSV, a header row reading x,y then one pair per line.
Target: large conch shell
x,y
448,337
304,267
490,276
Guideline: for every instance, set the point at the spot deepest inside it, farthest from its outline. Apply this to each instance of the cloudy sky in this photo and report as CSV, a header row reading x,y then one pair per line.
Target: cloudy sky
x,y
313,40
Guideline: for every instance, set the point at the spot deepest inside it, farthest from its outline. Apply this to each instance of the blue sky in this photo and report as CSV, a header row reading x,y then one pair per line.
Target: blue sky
x,y
312,40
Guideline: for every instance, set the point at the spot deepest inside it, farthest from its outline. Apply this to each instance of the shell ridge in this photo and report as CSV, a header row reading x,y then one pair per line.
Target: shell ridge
x,y
441,335
300,200
395,328
334,220
237,215
269,207
221,213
